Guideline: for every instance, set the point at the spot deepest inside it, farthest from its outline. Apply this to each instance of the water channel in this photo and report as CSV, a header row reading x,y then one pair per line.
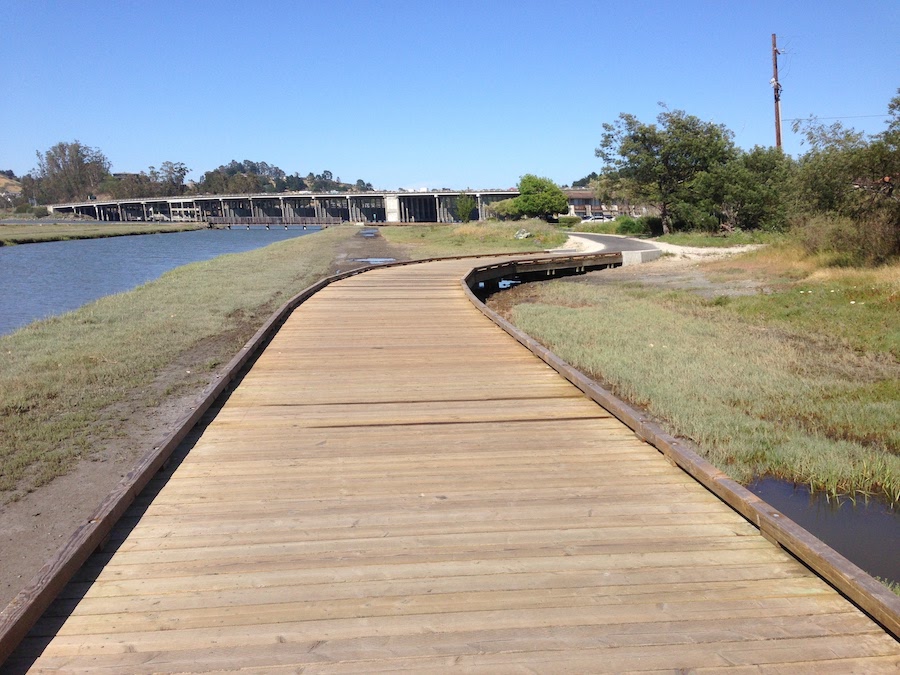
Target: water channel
x,y
42,280
865,531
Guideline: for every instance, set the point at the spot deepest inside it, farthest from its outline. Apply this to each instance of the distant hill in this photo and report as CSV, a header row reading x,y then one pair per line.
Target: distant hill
x,y
9,185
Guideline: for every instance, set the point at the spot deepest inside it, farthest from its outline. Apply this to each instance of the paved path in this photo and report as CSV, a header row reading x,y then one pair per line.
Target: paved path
x,y
397,485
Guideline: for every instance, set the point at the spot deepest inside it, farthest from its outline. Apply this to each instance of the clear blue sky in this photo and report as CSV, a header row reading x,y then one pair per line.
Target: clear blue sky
x,y
423,93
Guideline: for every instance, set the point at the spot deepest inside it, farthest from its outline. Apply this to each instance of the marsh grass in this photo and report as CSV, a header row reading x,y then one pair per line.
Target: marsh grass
x,y
893,586
60,377
11,234
422,241
765,385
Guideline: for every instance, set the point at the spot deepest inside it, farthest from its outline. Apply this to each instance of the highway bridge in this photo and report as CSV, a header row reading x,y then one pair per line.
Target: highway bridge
x,y
290,208
308,208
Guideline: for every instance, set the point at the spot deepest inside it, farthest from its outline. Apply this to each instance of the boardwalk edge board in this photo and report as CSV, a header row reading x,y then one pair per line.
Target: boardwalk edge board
x,y
866,592
23,611
26,608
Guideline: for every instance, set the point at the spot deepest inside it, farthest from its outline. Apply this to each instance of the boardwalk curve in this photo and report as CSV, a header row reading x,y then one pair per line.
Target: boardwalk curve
x,y
398,485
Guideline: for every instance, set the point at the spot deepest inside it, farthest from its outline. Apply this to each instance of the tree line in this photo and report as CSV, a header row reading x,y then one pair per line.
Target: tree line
x,y
837,196
73,171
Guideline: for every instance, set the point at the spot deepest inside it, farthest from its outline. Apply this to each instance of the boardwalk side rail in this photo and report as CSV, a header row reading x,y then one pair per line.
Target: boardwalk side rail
x,y
858,586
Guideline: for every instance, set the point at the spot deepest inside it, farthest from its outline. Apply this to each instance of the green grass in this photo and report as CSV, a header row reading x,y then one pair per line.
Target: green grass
x,y
597,227
857,306
40,232
423,241
59,377
893,586
805,388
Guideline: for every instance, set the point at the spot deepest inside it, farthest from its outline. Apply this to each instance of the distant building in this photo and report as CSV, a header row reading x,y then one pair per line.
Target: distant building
x,y
583,203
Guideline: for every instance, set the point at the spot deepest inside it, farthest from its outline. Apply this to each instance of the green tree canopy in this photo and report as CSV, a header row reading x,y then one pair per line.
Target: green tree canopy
x,y
748,192
505,209
540,197
586,181
69,172
659,162
848,175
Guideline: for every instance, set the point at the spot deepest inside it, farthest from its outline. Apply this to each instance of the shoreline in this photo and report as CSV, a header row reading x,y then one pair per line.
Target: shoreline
x,y
17,234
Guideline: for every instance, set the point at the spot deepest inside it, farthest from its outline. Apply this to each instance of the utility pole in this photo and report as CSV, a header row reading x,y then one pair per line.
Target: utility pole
x,y
776,85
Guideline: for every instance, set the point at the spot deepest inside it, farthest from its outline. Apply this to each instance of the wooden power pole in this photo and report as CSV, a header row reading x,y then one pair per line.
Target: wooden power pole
x,y
776,85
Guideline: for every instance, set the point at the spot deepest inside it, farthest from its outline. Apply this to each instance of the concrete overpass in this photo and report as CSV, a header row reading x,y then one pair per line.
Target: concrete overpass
x,y
290,208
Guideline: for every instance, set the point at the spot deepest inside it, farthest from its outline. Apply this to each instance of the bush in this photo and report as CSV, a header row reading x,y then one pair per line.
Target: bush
x,y
653,225
569,221
23,208
506,209
687,216
850,241
40,211
630,226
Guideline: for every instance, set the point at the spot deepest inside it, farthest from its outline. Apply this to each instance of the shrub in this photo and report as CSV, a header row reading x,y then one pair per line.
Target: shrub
x,y
23,208
630,226
850,241
598,227
569,221
40,211
506,209
653,225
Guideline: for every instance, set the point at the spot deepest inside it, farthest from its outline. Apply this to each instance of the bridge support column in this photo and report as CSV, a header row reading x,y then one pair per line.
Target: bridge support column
x,y
392,209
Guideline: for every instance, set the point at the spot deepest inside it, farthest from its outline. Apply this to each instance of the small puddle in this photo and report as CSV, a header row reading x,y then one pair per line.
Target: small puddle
x,y
375,261
369,233
866,532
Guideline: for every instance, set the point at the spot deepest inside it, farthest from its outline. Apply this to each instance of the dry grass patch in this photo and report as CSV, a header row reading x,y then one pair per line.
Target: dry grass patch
x,y
425,241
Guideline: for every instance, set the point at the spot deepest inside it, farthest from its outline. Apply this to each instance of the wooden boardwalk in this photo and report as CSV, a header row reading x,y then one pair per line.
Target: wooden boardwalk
x,y
397,485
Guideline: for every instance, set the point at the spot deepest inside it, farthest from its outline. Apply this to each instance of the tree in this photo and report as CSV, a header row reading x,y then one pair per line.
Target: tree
x,y
173,175
660,161
748,192
465,205
294,183
586,181
540,197
505,209
70,172
845,190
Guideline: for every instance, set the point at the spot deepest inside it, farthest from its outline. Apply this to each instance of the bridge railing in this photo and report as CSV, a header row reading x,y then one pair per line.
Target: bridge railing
x,y
272,220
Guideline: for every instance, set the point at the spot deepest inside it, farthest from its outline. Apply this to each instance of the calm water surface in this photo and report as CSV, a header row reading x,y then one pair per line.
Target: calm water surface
x,y
866,533
41,280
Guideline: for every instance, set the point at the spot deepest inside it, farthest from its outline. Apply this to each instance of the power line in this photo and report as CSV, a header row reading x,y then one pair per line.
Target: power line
x,y
845,117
